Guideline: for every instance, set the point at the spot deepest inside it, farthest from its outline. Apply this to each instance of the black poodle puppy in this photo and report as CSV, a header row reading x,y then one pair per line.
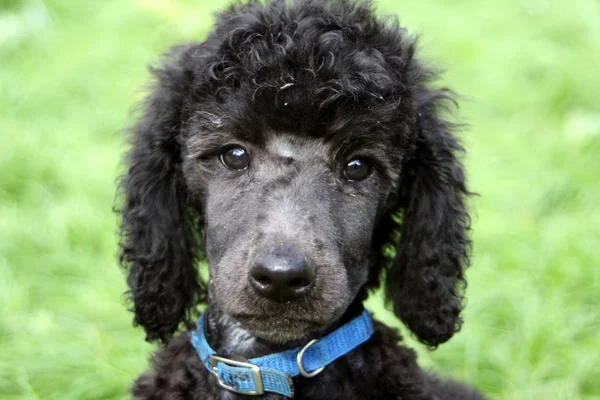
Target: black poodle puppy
x,y
299,152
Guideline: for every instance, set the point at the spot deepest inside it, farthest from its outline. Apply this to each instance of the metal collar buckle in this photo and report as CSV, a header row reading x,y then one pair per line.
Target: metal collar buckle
x,y
258,383
299,362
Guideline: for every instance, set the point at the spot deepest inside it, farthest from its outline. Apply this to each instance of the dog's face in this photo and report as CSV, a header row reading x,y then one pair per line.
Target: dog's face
x,y
287,204
284,148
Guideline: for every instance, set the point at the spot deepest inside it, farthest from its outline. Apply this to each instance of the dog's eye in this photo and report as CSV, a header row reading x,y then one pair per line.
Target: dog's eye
x,y
235,158
357,170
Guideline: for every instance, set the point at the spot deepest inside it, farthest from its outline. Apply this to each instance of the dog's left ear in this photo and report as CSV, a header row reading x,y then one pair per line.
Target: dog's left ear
x,y
425,280
159,236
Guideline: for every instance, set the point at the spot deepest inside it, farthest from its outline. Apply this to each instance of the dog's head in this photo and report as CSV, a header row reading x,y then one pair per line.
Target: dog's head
x,y
300,150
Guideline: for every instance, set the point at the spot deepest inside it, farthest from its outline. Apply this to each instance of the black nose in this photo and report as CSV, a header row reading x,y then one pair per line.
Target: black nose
x,y
281,274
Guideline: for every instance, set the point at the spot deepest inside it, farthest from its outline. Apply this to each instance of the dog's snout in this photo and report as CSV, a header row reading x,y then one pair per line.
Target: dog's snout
x,y
282,274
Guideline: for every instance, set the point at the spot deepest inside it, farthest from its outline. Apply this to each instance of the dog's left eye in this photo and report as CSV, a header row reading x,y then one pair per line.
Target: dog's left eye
x,y
357,170
235,158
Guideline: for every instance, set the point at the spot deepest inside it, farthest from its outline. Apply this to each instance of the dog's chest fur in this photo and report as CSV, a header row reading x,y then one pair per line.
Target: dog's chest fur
x,y
379,369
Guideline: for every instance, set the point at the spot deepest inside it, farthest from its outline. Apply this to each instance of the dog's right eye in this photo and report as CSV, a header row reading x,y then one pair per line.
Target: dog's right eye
x,y
235,158
357,170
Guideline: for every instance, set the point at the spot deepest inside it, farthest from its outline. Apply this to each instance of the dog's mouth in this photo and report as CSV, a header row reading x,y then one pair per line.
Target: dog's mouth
x,y
279,329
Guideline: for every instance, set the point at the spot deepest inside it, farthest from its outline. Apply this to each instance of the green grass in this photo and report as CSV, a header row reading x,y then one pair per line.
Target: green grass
x,y
70,71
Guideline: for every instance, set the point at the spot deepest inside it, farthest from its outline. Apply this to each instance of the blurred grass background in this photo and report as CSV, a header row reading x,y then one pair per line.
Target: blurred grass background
x,y
70,71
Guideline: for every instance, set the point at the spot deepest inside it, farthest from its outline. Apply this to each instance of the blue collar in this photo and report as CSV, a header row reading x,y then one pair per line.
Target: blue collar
x,y
274,372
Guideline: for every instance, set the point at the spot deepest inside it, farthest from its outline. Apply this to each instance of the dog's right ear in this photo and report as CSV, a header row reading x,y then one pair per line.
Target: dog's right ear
x,y
159,237
425,281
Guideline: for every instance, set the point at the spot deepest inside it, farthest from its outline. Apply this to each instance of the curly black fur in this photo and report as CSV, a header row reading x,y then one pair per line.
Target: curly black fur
x,y
425,279
377,370
159,236
326,72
